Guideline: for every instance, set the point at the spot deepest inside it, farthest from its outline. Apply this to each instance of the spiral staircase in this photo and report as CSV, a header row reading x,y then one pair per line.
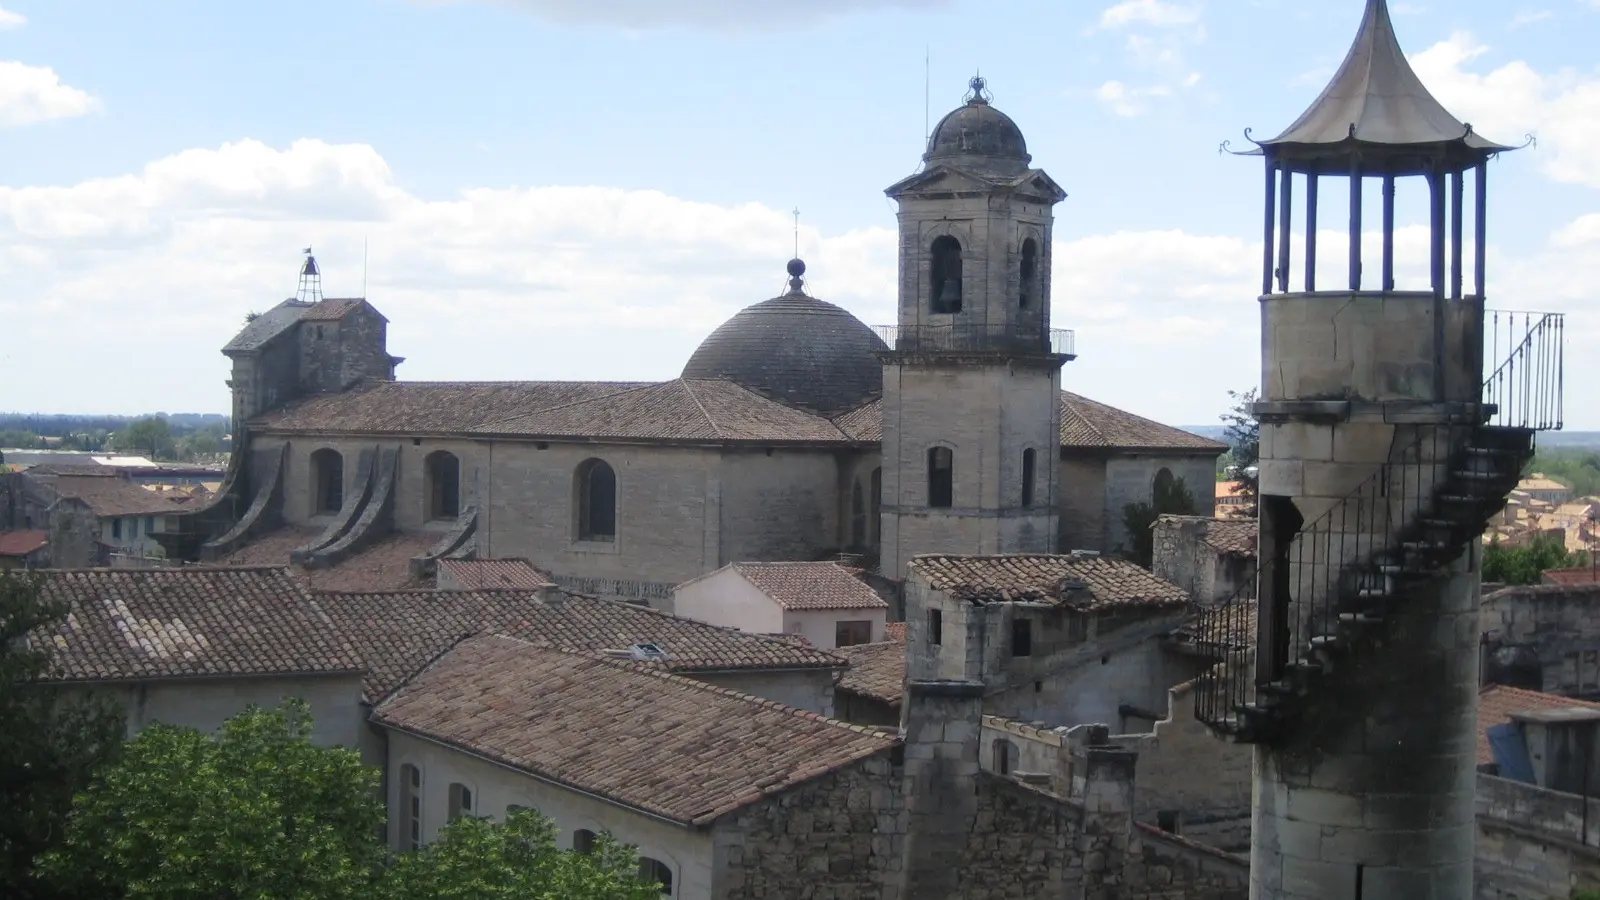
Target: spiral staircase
x,y
1349,570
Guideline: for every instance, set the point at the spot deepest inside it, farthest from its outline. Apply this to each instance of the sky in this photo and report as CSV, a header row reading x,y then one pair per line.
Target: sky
x,y
583,189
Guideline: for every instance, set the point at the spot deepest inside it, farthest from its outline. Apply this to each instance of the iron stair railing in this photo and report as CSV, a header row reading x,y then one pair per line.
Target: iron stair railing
x,y
1412,515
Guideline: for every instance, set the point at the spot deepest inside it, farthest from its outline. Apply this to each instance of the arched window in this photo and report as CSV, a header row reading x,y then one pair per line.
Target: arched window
x,y
461,801
858,516
597,501
1029,289
583,840
1162,485
657,871
444,485
410,807
1027,477
1005,756
941,477
875,517
327,481
946,273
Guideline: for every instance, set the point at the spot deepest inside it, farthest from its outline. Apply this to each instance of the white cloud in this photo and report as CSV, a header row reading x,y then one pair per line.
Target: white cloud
x,y
9,19
31,94
1562,109
1529,17
1129,101
1148,12
713,14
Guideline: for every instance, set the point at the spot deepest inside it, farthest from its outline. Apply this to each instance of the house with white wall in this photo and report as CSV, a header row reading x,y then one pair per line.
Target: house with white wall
x,y
824,602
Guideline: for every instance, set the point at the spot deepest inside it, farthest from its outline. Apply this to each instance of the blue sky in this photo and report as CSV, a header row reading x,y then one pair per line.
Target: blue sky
x,y
584,188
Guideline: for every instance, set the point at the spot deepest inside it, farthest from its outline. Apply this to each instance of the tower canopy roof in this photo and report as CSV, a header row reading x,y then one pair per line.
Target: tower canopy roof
x,y
1377,109
978,136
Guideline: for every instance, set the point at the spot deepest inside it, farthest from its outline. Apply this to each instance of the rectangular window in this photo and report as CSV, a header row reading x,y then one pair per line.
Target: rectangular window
x,y
941,477
1170,821
116,529
935,627
850,633
1021,637
411,806
149,524
460,801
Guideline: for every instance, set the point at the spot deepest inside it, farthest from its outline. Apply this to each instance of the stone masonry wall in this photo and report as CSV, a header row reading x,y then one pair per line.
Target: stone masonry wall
x,y
1555,629
1130,479
1083,504
1534,843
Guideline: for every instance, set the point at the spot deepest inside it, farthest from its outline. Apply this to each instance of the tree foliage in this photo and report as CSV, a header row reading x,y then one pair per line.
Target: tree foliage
x,y
1168,497
1577,469
1243,434
49,743
1526,563
151,436
260,812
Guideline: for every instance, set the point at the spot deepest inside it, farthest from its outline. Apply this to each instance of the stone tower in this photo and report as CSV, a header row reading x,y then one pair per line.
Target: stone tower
x,y
1351,662
972,382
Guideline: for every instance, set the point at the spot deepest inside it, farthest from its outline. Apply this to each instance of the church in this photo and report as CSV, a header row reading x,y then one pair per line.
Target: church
x,y
794,432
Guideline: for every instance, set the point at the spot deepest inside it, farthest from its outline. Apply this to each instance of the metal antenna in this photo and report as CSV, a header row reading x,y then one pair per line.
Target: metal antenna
x,y
797,232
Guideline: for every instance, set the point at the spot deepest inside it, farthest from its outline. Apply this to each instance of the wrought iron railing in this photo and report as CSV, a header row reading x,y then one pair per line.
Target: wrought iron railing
x,y
1525,390
1364,541
963,336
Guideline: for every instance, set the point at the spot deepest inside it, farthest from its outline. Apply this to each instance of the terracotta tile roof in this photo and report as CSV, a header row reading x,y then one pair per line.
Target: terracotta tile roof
x,y
864,423
384,566
1037,578
332,309
1236,537
895,631
673,747
1497,704
21,543
140,624
114,496
699,410
430,407
811,585
264,328
397,633
474,574
877,671
1538,481
1578,575
1087,424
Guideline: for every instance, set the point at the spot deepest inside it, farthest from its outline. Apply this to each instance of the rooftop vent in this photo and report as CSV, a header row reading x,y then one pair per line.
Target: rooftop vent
x,y
647,652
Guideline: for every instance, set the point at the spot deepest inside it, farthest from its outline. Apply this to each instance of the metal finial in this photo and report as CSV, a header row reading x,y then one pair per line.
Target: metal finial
x,y
797,232
797,271
978,90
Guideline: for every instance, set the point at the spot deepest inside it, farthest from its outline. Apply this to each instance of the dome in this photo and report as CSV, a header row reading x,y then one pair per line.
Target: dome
x,y
978,135
796,349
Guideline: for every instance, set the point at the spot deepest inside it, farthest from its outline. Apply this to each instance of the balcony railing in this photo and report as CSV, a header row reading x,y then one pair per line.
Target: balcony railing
x,y
977,337
1525,390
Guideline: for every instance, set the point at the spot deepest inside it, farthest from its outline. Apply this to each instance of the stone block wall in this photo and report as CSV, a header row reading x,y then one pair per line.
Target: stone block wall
x,y
1534,843
1130,479
1082,499
1183,557
1552,630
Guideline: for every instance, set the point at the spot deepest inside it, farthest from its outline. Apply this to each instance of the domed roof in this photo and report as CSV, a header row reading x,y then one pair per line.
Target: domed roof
x,y
796,349
979,136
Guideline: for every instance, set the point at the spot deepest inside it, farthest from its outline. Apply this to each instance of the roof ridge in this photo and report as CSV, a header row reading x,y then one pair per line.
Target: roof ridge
x,y
715,428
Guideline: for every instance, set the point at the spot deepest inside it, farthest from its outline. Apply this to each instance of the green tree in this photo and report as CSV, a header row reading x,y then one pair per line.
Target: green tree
x,y
1526,563
151,436
476,859
49,744
1168,497
1243,434
257,811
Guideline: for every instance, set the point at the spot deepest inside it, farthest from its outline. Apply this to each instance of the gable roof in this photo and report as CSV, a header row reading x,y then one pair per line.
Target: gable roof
x,y
261,330
1037,578
1088,424
384,565
673,747
1498,703
154,624
810,585
115,496
474,574
877,671
397,633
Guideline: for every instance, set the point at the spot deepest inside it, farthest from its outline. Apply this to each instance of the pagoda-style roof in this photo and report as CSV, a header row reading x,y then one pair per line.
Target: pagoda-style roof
x,y
1378,110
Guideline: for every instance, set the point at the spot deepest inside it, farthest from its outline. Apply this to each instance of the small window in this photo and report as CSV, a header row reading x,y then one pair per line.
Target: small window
x,y
583,840
875,516
133,527
116,529
460,801
149,524
935,627
444,485
597,501
1030,274
1005,756
1027,477
1021,637
858,517
941,477
327,481
657,871
411,807
945,269
1170,821
848,634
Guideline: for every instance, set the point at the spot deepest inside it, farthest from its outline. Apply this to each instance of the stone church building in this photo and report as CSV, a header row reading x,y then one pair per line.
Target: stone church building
x,y
794,432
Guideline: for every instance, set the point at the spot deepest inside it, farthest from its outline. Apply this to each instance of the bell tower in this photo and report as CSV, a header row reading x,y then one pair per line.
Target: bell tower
x,y
972,379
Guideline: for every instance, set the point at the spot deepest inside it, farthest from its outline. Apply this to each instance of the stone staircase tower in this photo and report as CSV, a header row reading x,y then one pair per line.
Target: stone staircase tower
x,y
1351,663
972,379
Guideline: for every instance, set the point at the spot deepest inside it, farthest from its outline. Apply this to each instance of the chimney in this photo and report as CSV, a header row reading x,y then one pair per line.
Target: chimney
x,y
550,595
941,721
